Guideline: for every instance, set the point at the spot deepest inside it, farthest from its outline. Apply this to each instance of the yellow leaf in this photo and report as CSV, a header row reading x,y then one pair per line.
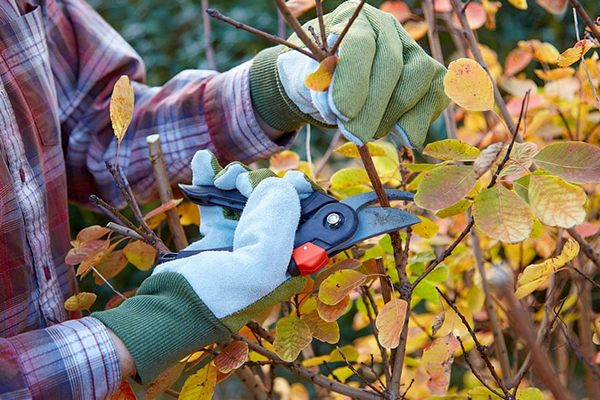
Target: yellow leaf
x,y
451,149
437,360
457,208
491,9
426,228
556,202
349,352
80,301
332,313
469,86
337,285
501,214
233,356
416,29
596,334
140,254
545,52
320,329
121,106
188,213
520,4
575,53
349,149
390,321
320,79
291,336
164,381
201,385
554,74
535,275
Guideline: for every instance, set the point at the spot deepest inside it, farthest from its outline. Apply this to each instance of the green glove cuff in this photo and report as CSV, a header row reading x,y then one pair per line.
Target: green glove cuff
x,y
162,323
269,98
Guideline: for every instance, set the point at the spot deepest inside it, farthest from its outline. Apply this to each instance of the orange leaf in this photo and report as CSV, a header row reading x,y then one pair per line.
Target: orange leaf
x,y
116,299
416,29
437,360
140,254
332,313
554,6
171,204
476,16
491,9
284,161
124,392
320,80
299,7
90,233
233,356
95,258
516,60
390,321
80,301
110,266
320,329
398,9
81,251
575,53
554,74
442,6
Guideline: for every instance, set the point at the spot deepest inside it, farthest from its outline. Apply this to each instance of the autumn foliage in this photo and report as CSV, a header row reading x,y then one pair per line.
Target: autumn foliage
x,y
492,295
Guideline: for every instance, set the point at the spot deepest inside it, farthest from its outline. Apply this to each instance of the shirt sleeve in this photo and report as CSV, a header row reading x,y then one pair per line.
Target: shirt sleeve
x,y
194,110
72,360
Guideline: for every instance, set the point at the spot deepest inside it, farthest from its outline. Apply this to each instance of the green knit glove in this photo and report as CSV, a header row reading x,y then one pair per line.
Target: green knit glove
x,y
384,81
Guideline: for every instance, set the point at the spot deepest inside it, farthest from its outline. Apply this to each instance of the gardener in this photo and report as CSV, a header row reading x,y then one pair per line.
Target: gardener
x,y
58,63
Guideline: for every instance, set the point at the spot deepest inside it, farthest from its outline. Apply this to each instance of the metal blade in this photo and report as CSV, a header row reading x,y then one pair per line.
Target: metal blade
x,y
374,221
364,199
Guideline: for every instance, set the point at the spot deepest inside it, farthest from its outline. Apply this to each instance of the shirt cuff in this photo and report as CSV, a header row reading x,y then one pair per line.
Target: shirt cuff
x,y
234,129
74,359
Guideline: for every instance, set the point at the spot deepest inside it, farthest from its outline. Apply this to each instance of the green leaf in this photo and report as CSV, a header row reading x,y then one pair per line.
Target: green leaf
x,y
292,335
444,186
451,149
556,202
530,393
502,215
576,162
457,208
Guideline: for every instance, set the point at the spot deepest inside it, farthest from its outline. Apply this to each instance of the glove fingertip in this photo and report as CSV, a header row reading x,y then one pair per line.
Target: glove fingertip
x,y
205,167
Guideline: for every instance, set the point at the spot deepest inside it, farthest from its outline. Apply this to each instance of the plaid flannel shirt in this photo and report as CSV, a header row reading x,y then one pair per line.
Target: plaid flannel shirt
x,y
58,63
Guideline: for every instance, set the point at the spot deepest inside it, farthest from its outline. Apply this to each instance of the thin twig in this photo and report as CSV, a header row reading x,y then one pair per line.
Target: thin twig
x,y
163,186
335,47
332,146
122,230
322,31
355,371
275,39
252,382
108,283
480,348
114,214
208,47
367,299
293,22
499,343
586,18
586,248
314,377
585,67
475,371
436,52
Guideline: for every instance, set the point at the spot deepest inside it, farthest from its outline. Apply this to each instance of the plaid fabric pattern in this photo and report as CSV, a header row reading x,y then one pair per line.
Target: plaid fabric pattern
x,y
58,63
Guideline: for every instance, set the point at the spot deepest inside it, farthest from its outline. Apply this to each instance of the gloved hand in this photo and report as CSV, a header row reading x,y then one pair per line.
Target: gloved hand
x,y
191,302
384,81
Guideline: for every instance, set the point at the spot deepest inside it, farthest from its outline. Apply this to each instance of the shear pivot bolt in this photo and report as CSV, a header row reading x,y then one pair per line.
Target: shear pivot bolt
x,y
333,219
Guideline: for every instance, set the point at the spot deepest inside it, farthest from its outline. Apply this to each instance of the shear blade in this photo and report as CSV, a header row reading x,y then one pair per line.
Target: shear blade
x,y
374,221
364,199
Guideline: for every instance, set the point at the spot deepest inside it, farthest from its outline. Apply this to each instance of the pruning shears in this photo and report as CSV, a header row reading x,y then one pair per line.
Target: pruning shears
x,y
327,226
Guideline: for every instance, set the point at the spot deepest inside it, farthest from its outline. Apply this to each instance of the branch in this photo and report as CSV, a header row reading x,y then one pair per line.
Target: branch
x,y
587,248
252,382
165,193
586,18
293,22
436,51
335,47
499,343
275,39
120,229
473,45
474,370
322,31
208,47
312,376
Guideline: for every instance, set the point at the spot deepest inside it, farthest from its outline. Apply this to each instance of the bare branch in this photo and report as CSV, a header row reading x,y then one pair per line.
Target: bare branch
x,y
475,371
120,229
208,47
322,31
587,248
275,39
586,18
335,47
